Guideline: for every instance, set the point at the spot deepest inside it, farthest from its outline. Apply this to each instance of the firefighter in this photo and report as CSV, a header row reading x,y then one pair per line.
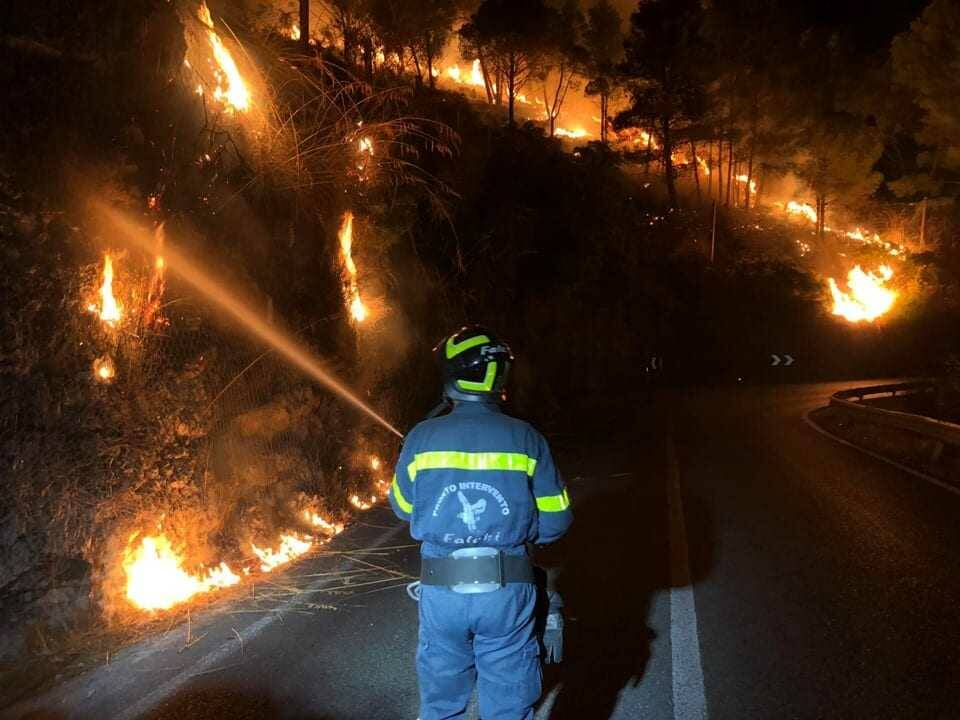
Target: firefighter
x,y
476,486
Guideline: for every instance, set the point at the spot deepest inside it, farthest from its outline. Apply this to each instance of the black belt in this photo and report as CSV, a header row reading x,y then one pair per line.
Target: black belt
x,y
500,569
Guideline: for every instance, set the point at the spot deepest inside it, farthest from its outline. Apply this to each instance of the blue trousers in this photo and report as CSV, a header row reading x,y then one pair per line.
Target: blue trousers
x,y
487,637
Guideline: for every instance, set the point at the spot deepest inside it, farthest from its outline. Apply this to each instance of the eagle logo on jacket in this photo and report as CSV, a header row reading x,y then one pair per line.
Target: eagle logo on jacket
x,y
471,511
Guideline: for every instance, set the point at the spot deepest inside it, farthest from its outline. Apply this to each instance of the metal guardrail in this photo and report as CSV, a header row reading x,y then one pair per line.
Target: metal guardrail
x,y
945,432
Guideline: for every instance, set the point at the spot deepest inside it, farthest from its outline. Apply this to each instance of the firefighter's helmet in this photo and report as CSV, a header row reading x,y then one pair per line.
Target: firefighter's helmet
x,y
475,364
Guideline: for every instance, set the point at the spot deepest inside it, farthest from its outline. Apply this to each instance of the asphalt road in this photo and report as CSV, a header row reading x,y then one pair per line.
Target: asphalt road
x,y
727,561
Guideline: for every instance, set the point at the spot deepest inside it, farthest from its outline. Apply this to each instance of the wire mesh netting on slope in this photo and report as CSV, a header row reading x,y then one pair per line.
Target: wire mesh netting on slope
x,y
160,422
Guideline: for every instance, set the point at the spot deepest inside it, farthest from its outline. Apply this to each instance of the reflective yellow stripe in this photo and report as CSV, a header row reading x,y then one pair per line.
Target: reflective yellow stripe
x,y
455,460
398,496
554,503
454,348
486,385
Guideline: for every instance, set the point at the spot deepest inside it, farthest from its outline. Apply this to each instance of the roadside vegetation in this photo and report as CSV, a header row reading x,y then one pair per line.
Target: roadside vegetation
x,y
599,256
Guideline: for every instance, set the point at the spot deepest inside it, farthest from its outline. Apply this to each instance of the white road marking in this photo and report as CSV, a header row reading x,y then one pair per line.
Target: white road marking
x,y
689,695
878,456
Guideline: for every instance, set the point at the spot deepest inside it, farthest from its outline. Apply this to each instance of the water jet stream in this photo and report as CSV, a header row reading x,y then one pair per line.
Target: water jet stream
x,y
138,237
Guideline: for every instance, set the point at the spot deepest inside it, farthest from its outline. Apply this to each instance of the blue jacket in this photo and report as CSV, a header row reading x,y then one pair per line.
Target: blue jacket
x,y
477,477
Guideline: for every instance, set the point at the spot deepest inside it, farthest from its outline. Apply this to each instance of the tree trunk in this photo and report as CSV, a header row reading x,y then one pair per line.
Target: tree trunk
x,y
729,170
720,171
710,169
737,185
923,226
551,123
305,24
646,162
821,214
487,82
368,57
696,168
418,80
432,80
511,89
603,118
668,161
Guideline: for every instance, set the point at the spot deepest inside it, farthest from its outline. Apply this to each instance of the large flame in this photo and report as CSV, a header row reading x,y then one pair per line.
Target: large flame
x,y
156,579
109,310
358,310
574,133
461,77
318,521
867,298
802,209
231,89
291,546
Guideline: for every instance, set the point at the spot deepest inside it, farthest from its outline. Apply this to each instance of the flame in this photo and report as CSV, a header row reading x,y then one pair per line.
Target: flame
x,y
859,234
357,309
868,299
294,32
110,311
365,145
460,76
203,12
231,89
151,308
291,546
103,369
318,521
742,179
476,73
156,579
375,463
802,209
361,504
575,133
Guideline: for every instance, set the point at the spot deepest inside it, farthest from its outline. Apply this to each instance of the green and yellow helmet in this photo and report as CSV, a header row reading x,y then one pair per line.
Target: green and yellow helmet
x,y
475,364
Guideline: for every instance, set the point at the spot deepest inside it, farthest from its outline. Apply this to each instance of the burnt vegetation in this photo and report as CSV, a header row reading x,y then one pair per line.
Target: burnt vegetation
x,y
611,264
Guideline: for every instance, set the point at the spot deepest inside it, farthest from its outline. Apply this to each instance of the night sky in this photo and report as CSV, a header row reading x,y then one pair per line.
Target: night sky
x,y
870,24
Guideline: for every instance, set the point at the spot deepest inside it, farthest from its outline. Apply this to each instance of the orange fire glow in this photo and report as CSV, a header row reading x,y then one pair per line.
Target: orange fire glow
x,y
802,209
109,310
742,179
574,133
358,310
318,521
291,546
867,298
231,90
156,579
362,504
462,77
103,369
